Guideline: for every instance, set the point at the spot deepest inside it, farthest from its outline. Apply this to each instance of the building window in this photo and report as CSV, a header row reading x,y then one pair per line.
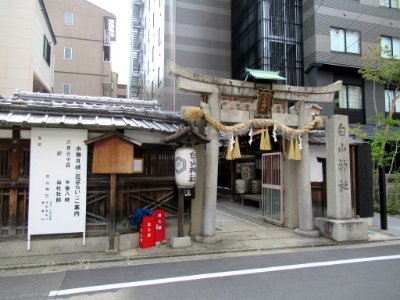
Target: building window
x,y
390,47
69,18
46,51
106,53
345,41
152,54
159,36
67,53
5,155
389,3
66,88
350,97
159,76
389,95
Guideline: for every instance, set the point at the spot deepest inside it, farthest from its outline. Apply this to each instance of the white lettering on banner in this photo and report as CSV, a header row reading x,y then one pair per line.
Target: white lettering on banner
x,y
57,186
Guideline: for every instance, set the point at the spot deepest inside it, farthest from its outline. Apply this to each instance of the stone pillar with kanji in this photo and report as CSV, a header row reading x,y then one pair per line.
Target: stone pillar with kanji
x,y
339,223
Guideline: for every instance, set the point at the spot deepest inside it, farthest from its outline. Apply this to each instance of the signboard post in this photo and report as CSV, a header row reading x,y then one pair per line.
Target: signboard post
x,y
57,185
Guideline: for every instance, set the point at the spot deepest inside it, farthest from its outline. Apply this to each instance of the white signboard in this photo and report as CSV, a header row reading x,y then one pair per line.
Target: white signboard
x,y
57,185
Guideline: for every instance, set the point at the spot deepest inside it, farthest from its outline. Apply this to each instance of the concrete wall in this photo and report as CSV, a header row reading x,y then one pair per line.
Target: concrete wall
x,y
23,27
86,72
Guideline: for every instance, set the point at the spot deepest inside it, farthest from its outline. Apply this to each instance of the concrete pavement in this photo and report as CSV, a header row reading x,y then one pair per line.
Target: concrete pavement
x,y
241,229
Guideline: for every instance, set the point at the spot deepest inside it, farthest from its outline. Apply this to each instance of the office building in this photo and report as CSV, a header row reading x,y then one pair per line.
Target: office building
x,y
196,35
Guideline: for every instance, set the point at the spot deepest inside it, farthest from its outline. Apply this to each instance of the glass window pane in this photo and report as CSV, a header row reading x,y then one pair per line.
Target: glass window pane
x,y
384,3
394,3
397,108
388,99
354,97
68,53
69,18
337,39
343,97
353,42
66,88
389,95
386,44
396,48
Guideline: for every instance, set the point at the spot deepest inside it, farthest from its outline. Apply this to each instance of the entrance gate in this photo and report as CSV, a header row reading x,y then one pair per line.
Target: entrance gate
x,y
272,188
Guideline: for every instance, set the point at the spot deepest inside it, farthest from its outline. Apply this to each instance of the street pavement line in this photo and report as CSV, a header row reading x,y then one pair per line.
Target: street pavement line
x,y
98,288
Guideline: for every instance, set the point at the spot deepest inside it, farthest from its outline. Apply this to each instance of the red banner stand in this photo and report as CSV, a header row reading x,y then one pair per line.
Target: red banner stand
x,y
160,226
147,232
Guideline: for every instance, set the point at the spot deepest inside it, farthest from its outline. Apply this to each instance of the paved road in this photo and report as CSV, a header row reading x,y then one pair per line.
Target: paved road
x,y
361,272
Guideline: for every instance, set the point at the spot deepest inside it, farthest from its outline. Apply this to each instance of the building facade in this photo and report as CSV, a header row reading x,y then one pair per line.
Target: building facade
x,y
336,35
27,45
83,55
193,35
310,43
267,35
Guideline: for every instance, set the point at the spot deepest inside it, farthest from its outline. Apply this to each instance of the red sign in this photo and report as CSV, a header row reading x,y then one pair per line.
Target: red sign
x,y
160,229
146,232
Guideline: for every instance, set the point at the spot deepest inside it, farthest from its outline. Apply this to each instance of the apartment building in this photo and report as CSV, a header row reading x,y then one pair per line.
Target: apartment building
x,y
315,43
84,33
27,45
336,34
193,34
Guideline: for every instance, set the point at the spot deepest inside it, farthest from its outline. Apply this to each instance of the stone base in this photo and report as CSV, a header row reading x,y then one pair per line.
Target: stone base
x,y
343,230
111,252
181,242
307,233
207,239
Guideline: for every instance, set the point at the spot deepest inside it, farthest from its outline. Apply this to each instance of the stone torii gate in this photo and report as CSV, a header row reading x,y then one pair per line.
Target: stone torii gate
x,y
214,88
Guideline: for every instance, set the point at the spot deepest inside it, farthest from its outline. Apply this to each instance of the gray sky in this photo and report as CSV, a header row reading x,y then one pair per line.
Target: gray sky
x,y
120,52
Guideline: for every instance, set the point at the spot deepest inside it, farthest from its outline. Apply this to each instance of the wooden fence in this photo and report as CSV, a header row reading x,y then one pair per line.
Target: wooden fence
x,y
155,188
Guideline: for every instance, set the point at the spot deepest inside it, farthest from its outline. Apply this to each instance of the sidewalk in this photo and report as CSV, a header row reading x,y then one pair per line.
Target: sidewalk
x,y
241,229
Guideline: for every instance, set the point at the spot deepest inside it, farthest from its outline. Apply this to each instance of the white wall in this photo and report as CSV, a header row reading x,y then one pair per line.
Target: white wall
x,y
40,66
21,46
316,174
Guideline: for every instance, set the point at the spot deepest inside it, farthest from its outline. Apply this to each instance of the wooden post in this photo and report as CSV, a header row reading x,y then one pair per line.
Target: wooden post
x,y
12,216
181,212
111,219
13,200
232,179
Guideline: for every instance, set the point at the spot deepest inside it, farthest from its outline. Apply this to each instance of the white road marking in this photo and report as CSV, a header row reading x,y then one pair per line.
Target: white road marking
x,y
114,286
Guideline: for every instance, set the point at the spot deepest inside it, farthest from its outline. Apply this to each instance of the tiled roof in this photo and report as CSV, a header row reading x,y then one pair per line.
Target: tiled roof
x,y
54,110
